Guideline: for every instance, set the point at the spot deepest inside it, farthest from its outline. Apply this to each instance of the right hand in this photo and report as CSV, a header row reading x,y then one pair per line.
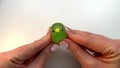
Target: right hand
x,y
106,50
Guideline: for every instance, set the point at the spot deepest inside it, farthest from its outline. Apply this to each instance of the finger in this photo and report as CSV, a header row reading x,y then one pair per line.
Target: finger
x,y
19,55
52,47
82,56
43,56
92,41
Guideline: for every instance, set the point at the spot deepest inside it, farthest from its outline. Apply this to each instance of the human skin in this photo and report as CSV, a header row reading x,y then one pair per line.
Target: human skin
x,y
33,55
106,51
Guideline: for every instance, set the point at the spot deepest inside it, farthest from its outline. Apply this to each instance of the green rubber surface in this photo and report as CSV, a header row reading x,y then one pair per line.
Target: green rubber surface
x,y
58,32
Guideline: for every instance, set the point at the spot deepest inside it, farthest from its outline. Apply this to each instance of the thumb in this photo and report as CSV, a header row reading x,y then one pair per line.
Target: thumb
x,y
23,53
78,52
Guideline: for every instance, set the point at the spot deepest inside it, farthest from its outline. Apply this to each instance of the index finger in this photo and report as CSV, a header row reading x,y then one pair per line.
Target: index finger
x,y
92,41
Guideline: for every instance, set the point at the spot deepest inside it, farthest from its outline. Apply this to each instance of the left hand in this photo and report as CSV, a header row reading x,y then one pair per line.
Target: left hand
x,y
32,55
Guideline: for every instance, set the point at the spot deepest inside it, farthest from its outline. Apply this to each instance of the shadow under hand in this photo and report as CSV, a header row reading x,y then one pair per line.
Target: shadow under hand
x,y
62,58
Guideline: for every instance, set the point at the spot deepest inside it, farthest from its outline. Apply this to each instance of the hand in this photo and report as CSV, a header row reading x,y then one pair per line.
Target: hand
x,y
106,51
31,55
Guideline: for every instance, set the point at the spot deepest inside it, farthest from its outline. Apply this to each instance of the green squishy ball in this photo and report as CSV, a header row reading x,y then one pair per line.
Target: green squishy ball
x,y
58,32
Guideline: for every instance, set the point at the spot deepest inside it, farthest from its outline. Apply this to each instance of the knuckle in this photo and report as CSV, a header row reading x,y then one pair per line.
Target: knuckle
x,y
88,33
117,41
16,60
112,48
76,51
93,64
45,53
90,37
114,44
13,58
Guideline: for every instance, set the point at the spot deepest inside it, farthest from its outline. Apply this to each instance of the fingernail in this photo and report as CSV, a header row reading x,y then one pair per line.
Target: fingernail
x,y
54,47
67,29
64,44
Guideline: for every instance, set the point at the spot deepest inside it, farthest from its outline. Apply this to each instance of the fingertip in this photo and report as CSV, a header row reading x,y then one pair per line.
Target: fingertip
x,y
70,34
67,28
48,35
64,44
54,47
72,46
49,31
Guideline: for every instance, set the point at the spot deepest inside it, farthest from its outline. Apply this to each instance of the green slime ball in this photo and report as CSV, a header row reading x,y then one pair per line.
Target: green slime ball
x,y
58,32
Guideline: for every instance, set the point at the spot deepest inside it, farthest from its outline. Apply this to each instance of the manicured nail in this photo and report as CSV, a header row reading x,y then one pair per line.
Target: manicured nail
x,y
64,44
54,47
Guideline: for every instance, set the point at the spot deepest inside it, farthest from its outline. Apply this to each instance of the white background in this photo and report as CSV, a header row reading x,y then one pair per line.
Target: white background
x,y
24,21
